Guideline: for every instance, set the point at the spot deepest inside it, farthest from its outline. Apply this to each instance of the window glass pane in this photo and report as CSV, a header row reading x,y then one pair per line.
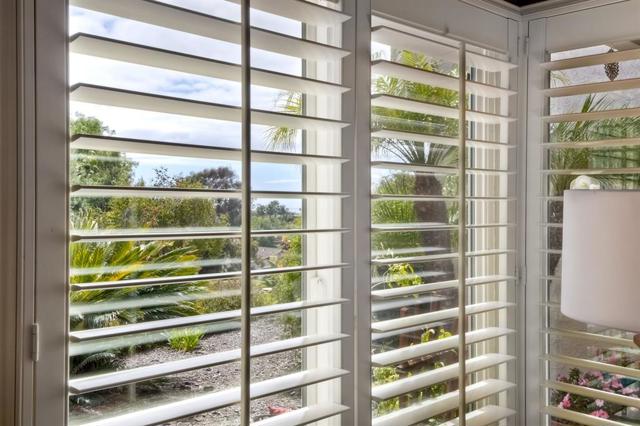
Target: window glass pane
x,y
588,366
156,209
415,215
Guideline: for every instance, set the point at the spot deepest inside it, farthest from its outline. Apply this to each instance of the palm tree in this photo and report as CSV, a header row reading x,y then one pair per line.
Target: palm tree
x,y
585,158
406,151
116,261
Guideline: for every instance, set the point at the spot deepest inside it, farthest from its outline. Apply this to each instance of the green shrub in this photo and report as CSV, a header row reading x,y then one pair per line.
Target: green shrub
x,y
382,375
185,340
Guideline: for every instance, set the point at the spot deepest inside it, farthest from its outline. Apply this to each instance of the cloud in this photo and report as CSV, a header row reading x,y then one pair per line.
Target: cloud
x,y
183,129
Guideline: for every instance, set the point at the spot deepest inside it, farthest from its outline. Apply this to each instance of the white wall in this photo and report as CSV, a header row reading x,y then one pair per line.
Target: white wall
x,y
608,23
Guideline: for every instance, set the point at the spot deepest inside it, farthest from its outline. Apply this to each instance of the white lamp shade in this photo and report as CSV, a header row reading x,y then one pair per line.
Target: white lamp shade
x,y
601,258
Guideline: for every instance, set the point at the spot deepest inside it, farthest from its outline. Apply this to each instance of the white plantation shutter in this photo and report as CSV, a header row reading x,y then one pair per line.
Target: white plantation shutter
x,y
316,53
591,130
416,253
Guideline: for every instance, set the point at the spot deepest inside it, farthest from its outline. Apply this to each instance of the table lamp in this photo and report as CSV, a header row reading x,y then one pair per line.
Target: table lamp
x,y
601,258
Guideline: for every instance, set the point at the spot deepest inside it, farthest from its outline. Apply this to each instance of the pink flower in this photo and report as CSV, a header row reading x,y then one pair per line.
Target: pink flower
x,y
615,383
599,403
628,391
583,382
566,402
600,413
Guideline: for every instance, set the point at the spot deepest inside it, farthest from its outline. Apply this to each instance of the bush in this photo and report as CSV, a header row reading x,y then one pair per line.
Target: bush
x,y
185,340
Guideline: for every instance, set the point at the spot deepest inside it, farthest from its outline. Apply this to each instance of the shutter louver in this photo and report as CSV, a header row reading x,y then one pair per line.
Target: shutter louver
x,y
416,171
155,213
591,130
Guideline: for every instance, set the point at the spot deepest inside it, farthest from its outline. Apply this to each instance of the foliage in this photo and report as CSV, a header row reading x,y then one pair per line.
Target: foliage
x,y
116,261
273,216
574,158
168,212
284,138
218,178
402,275
594,380
91,167
442,333
381,376
185,340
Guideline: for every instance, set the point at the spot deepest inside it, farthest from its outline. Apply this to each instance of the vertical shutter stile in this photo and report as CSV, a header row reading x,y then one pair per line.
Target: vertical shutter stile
x,y
462,230
245,244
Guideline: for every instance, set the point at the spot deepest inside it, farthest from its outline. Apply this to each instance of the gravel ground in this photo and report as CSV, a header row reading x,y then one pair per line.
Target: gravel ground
x,y
195,383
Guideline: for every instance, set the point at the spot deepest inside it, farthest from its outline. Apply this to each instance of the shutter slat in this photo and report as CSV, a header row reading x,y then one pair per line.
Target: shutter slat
x,y
397,356
155,147
593,172
580,418
300,10
304,416
594,393
125,330
413,197
441,140
592,116
189,21
593,337
437,375
599,87
431,78
443,170
400,39
87,44
428,108
594,365
397,304
215,400
484,416
426,258
605,143
413,320
417,227
109,96
390,293
153,192
597,59
488,63
104,285
449,401
146,234
139,374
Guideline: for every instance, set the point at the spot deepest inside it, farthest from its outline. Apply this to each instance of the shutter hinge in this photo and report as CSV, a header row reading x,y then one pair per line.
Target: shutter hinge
x,y
521,274
525,46
35,342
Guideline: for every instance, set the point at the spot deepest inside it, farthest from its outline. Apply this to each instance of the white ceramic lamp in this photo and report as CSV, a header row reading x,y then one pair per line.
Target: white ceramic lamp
x,y
601,258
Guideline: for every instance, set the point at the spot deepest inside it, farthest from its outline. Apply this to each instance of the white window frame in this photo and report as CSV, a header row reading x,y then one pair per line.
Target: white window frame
x,y
41,210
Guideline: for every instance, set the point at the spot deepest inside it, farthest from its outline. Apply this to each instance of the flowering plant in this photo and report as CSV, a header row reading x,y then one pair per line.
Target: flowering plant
x,y
593,380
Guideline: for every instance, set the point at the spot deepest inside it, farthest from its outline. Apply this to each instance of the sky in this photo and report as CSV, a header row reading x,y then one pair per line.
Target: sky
x,y
166,127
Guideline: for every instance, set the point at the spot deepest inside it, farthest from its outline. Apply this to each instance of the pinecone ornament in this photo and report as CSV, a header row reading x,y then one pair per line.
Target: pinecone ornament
x,y
612,69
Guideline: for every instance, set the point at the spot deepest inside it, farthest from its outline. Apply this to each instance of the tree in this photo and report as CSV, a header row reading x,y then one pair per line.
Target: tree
x,y
91,167
219,178
408,151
